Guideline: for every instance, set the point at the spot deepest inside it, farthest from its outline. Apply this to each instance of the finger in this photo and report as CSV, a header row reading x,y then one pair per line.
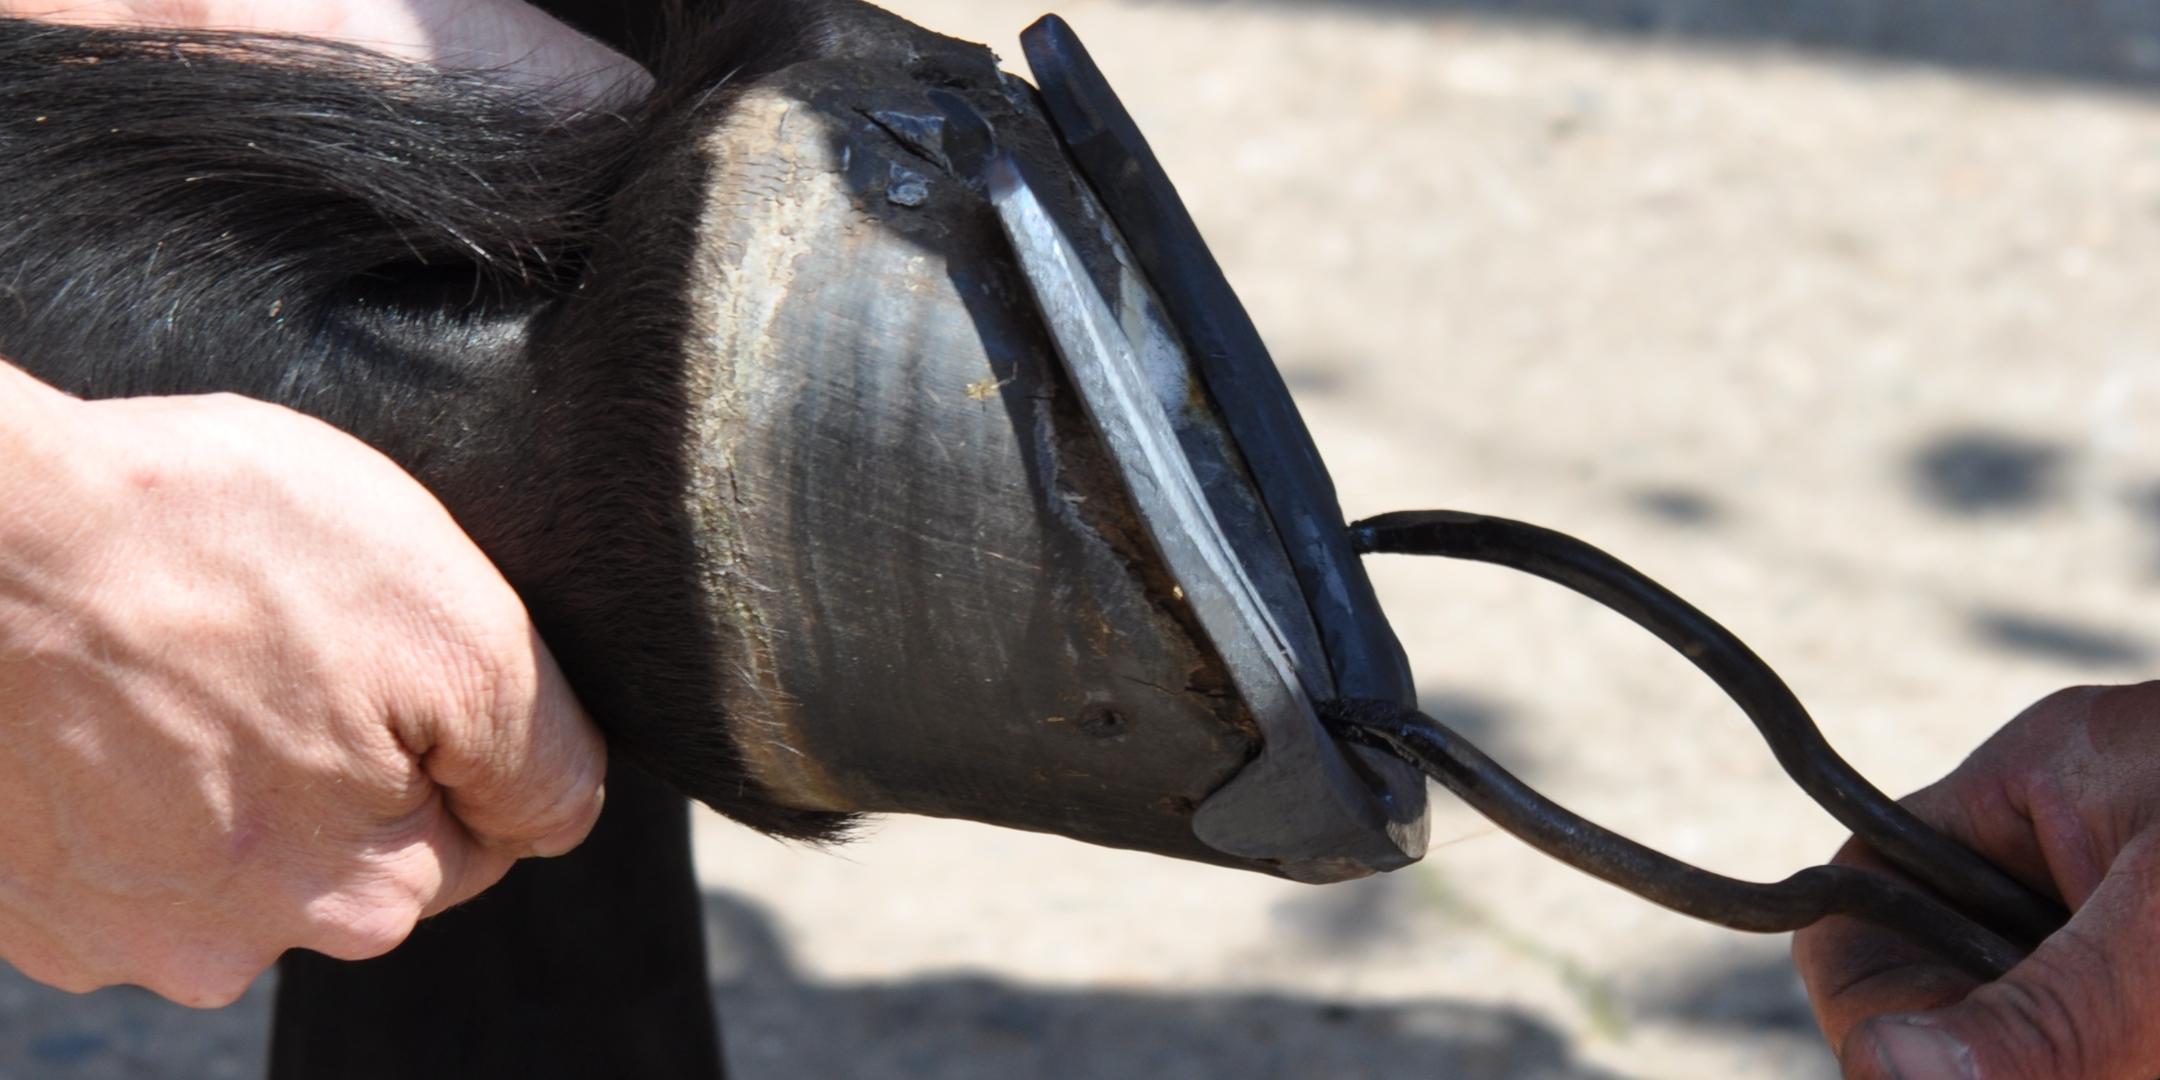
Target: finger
x,y
468,868
518,40
209,976
525,774
1986,804
2035,797
437,865
44,959
1855,970
2085,1004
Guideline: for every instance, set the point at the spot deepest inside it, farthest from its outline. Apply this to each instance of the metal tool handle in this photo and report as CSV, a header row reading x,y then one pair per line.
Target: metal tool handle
x,y
2005,918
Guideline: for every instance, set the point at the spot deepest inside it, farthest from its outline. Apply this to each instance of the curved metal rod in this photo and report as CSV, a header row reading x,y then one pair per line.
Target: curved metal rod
x,y
1791,904
1977,886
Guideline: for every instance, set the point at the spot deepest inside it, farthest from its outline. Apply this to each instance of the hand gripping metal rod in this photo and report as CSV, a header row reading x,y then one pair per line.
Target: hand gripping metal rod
x,y
2006,918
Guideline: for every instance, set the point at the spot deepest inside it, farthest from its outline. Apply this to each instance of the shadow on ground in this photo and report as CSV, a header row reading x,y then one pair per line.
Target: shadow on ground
x,y
1978,472
2110,42
780,1024
126,1033
1679,506
1489,724
1354,918
2145,504
1753,991
2059,640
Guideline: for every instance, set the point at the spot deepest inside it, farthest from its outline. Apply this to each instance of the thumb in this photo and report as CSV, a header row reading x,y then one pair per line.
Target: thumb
x,y
524,776
2086,1004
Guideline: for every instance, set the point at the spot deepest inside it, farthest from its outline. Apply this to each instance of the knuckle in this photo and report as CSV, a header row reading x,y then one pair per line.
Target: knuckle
x,y
568,821
2138,700
43,963
217,991
480,644
367,933
66,979
209,981
2054,1022
2066,703
2041,1039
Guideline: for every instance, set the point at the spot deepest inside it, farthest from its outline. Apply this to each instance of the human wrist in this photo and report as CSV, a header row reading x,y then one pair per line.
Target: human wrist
x,y
39,470
510,38
517,42
116,12
52,483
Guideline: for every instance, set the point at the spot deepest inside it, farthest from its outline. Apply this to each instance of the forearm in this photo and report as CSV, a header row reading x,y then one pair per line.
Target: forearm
x,y
522,44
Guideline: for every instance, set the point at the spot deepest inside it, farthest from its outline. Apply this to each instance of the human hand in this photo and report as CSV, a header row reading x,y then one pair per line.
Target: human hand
x,y
258,691
522,44
2066,798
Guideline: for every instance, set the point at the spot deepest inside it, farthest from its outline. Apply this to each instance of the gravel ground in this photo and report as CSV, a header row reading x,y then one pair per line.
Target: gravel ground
x,y
1848,343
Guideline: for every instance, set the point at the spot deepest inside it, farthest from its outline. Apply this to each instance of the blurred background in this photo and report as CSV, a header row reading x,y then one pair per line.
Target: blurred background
x,y
1838,316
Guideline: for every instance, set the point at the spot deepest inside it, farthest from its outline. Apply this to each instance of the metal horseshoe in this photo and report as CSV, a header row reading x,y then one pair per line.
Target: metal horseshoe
x,y
1978,916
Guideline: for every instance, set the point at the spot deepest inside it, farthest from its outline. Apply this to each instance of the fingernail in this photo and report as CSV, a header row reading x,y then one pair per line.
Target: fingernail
x,y
1911,1048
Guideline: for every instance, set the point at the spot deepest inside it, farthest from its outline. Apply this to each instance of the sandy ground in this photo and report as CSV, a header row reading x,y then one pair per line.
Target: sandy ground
x,y
1850,345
